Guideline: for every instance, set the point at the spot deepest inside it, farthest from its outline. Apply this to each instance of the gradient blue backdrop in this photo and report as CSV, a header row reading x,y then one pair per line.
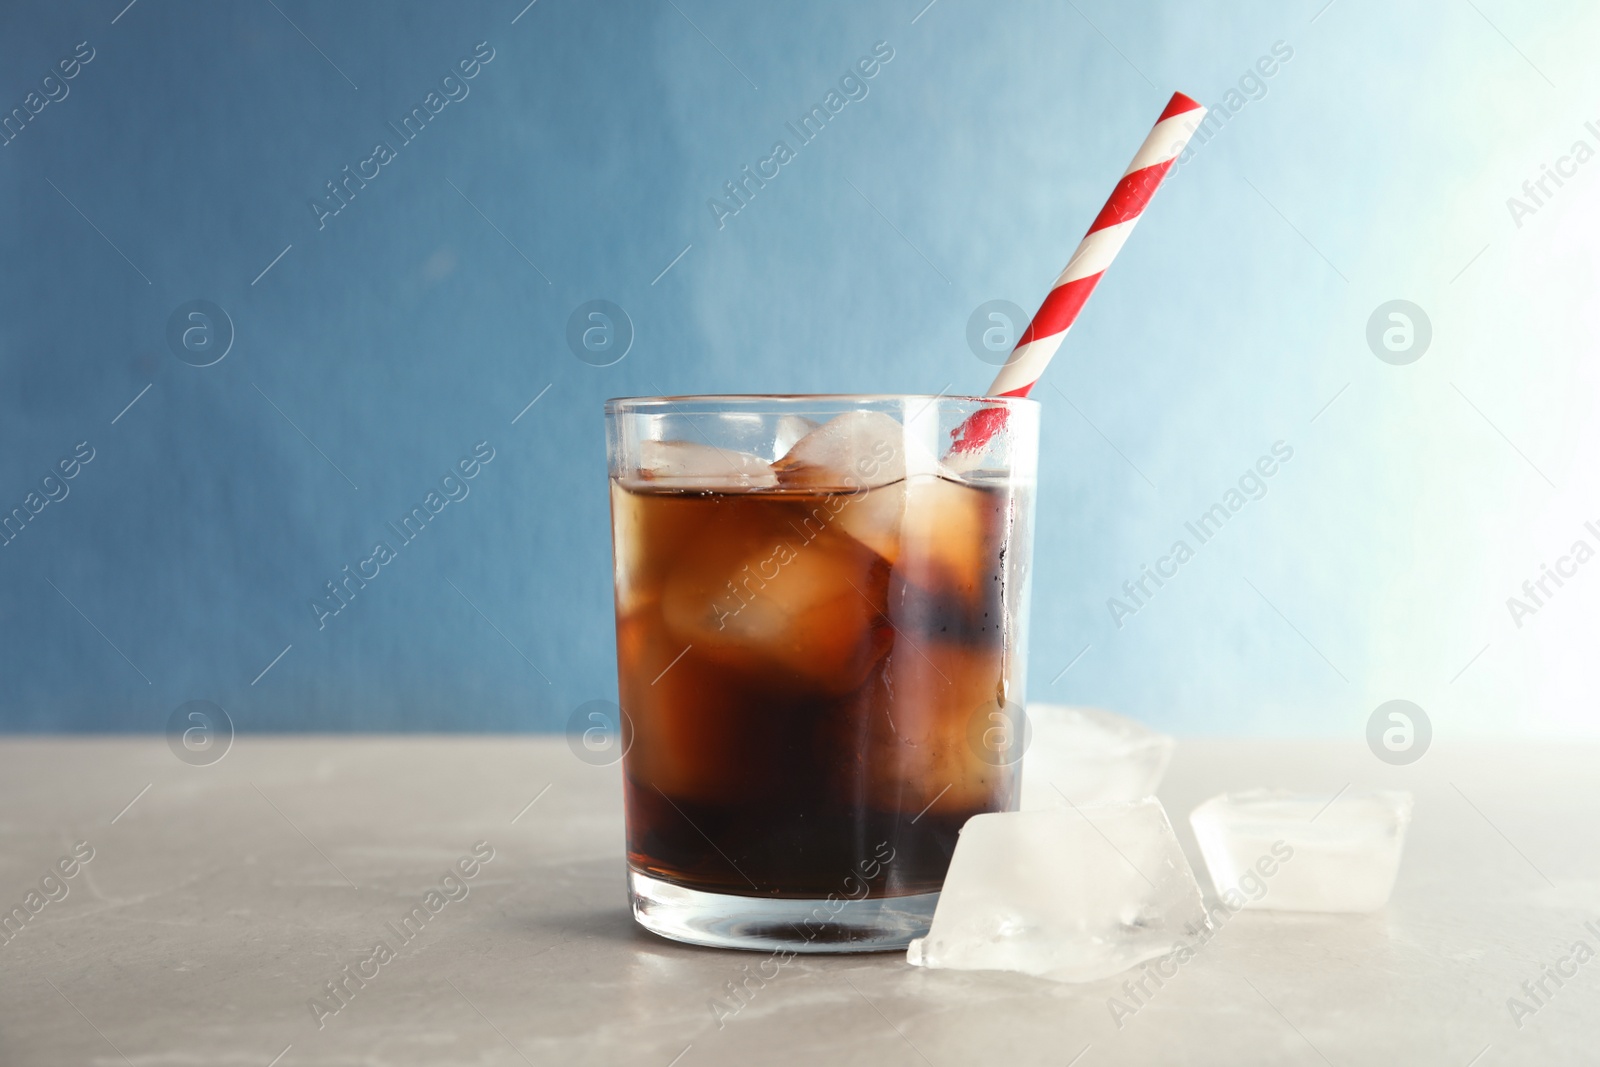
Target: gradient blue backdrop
x,y
1373,164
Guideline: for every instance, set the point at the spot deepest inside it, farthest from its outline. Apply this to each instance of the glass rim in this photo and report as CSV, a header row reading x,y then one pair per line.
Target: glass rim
x,y
645,404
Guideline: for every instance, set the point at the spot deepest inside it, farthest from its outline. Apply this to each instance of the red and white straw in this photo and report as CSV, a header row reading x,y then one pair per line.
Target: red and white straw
x,y
1099,246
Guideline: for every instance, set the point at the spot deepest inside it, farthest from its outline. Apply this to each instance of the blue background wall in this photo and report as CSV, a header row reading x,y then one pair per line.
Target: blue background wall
x,y
1374,164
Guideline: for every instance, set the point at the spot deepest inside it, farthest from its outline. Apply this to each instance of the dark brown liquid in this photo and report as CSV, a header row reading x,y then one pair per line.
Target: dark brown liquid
x,y
802,710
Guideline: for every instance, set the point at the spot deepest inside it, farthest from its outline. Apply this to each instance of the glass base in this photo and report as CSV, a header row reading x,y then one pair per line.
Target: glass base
x,y
722,920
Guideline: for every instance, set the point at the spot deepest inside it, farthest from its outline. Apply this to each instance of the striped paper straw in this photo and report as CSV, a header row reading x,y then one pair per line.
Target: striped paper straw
x,y
1099,247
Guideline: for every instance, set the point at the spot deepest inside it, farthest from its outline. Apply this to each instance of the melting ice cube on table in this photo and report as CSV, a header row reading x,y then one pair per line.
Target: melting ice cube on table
x,y
1297,852
1067,894
1089,756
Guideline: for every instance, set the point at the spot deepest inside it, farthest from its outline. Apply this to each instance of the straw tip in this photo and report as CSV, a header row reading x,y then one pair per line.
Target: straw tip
x,y
1179,104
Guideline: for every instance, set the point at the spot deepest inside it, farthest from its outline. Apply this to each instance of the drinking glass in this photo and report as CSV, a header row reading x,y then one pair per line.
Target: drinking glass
x,y
821,652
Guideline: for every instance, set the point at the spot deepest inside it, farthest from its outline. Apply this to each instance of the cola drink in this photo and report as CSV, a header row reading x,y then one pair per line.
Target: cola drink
x,y
819,665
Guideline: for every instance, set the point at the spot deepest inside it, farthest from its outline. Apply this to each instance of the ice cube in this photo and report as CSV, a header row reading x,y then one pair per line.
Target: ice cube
x,y
689,465
690,733
1072,895
859,449
751,593
1089,756
788,431
903,498
627,521
915,719
874,516
939,533
649,532
1288,851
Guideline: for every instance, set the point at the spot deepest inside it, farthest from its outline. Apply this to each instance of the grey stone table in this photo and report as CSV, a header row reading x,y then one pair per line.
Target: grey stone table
x,y
220,901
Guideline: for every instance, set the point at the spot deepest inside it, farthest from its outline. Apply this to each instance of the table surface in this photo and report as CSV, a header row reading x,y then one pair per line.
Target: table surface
x,y
226,897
